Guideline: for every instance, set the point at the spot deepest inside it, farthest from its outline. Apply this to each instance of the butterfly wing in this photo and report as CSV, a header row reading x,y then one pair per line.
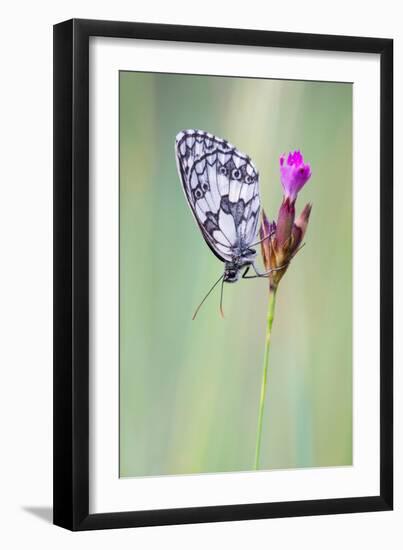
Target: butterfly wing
x,y
221,185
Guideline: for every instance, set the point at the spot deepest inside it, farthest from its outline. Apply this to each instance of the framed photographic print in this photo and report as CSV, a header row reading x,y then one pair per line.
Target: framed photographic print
x,y
223,320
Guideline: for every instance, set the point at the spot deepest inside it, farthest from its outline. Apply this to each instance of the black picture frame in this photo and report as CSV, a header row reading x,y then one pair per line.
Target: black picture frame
x,y
71,274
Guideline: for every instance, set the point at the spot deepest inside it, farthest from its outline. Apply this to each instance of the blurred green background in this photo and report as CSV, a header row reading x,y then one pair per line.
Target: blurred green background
x,y
189,390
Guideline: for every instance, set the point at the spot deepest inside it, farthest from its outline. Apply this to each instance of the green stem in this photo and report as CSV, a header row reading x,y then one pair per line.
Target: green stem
x,y
270,317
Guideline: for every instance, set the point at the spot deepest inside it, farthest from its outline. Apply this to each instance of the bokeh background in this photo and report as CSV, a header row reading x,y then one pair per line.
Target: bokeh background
x,y
189,390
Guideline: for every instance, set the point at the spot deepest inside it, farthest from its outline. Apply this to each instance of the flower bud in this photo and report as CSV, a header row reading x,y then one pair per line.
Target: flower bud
x,y
301,223
285,222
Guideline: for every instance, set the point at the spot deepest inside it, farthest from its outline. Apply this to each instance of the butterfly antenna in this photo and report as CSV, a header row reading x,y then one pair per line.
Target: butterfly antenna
x,y
206,296
222,294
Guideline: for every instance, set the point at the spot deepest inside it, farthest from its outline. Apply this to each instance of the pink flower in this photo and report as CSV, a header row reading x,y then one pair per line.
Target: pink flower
x,y
294,174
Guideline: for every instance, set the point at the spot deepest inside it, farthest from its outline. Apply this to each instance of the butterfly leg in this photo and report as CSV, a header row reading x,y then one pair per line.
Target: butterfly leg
x,y
261,240
260,275
244,274
267,274
257,276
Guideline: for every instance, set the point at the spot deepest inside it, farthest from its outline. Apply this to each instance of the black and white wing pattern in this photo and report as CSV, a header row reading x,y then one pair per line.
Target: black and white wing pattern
x,y
222,188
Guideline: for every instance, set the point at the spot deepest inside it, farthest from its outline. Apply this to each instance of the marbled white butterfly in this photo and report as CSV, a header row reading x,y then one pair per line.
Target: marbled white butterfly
x,y
221,185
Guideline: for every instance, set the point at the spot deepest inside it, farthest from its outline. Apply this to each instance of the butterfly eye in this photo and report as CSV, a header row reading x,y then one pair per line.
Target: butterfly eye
x,y
205,186
223,171
236,174
198,194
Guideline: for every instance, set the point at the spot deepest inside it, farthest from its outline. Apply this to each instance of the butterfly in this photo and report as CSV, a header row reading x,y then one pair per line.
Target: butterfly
x,y
221,185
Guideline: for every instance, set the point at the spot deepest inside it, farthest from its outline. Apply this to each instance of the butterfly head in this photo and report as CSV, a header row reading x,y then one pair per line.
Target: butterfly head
x,y
233,269
231,274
